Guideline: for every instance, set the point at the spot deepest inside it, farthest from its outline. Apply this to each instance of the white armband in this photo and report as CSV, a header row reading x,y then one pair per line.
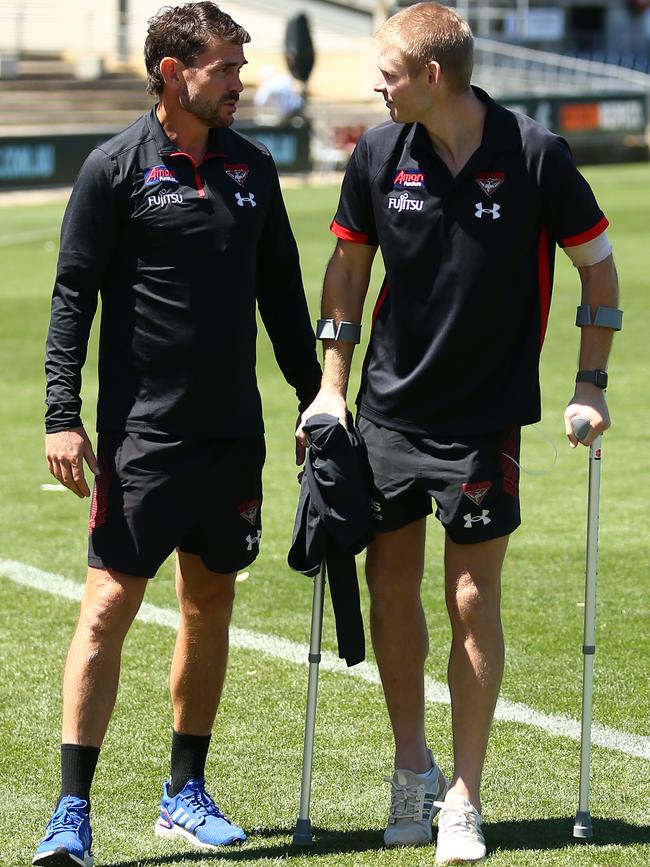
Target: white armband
x,y
591,252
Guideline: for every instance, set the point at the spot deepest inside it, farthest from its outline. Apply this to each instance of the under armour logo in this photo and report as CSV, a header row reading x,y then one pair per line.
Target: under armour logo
x,y
472,519
253,540
480,210
250,199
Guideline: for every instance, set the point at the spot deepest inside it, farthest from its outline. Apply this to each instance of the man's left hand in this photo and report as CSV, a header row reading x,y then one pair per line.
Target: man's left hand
x,y
589,402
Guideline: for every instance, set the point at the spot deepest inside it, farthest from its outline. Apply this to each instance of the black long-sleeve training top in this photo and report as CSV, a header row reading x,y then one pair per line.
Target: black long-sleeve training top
x,y
180,253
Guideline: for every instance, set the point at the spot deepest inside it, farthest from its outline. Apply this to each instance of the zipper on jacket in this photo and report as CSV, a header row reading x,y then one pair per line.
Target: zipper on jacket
x,y
200,187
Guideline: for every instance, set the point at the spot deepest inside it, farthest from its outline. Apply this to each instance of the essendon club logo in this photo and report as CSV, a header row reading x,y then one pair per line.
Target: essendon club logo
x,y
249,511
490,182
405,178
156,174
237,172
476,492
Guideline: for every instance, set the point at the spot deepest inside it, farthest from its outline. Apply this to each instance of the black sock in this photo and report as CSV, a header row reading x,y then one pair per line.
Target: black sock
x,y
189,754
77,770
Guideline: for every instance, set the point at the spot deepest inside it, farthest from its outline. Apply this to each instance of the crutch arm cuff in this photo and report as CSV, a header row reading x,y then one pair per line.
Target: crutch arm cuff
x,y
327,329
604,317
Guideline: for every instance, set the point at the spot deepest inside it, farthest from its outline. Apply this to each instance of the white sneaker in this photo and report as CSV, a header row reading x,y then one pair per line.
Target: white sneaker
x,y
460,840
413,806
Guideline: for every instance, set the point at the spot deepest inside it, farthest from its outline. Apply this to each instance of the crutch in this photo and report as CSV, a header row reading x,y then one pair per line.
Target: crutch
x,y
302,835
582,827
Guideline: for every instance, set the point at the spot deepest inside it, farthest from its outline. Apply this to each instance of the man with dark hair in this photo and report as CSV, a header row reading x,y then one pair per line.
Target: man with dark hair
x,y
179,223
466,201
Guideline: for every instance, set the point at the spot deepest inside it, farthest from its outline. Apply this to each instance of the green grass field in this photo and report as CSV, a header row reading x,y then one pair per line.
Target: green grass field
x,y
531,776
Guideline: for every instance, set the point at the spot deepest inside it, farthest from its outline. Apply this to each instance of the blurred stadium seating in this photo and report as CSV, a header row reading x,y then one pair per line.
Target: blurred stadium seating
x,y
78,67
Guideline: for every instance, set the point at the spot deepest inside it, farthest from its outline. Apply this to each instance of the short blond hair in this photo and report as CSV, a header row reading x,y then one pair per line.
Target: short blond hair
x,y
430,31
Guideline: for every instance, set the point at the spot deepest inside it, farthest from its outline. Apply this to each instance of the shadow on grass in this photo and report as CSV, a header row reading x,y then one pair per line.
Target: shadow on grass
x,y
326,842
557,832
528,834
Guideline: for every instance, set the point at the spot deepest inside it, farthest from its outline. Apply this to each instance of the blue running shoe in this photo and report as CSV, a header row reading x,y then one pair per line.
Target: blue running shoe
x,y
194,815
68,838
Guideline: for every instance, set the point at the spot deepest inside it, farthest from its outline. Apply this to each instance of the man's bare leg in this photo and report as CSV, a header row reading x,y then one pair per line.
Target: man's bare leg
x,y
394,568
92,670
200,656
198,670
473,594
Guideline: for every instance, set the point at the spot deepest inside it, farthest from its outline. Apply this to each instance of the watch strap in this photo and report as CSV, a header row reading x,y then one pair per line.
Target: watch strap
x,y
596,377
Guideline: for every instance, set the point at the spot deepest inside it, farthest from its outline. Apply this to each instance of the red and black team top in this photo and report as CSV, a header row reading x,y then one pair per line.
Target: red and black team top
x,y
180,252
461,315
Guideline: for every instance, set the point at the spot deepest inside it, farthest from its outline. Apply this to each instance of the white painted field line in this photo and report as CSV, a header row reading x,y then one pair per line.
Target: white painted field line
x,y
291,651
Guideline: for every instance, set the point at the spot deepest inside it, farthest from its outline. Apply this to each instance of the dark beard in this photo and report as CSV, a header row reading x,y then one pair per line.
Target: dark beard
x,y
208,113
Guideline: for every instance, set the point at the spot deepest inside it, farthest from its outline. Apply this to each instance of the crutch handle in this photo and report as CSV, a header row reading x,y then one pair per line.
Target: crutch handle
x,y
581,426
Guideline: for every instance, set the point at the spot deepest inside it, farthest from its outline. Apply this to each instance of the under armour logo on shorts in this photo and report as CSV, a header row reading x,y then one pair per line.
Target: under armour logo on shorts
x,y
472,519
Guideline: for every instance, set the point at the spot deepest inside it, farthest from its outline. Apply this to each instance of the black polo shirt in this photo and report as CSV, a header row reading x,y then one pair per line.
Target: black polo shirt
x,y
180,253
460,319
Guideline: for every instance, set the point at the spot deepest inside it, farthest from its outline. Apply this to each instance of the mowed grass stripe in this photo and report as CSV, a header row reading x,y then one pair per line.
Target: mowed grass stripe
x,y
290,651
29,237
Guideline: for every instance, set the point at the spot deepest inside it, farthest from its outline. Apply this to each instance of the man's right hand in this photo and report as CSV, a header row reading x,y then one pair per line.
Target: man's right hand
x,y
66,451
328,401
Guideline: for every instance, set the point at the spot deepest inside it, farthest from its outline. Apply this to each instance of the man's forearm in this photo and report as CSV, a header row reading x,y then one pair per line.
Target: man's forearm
x,y
65,355
344,292
599,289
337,360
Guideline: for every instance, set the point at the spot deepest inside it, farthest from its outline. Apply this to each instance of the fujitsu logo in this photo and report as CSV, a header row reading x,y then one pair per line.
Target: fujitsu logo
x,y
404,203
164,199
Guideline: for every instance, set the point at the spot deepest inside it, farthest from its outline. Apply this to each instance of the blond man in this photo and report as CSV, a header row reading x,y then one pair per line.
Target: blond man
x,y
466,201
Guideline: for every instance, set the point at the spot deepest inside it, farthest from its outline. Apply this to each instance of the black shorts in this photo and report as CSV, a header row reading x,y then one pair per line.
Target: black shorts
x,y
156,493
475,483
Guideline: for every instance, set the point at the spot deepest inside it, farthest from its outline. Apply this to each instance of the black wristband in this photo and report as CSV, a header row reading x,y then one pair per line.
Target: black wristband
x,y
596,377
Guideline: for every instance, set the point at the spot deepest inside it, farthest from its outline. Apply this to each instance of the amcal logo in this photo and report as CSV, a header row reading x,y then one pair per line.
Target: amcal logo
x,y
404,203
159,173
164,199
409,179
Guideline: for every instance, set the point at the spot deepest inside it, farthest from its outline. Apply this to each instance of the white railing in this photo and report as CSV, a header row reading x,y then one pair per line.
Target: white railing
x,y
506,68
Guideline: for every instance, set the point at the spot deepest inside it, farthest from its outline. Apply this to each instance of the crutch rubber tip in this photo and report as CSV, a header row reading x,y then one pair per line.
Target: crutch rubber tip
x,y
581,427
582,829
303,836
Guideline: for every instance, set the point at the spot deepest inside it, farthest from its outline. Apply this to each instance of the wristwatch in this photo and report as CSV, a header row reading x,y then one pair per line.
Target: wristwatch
x,y
595,377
